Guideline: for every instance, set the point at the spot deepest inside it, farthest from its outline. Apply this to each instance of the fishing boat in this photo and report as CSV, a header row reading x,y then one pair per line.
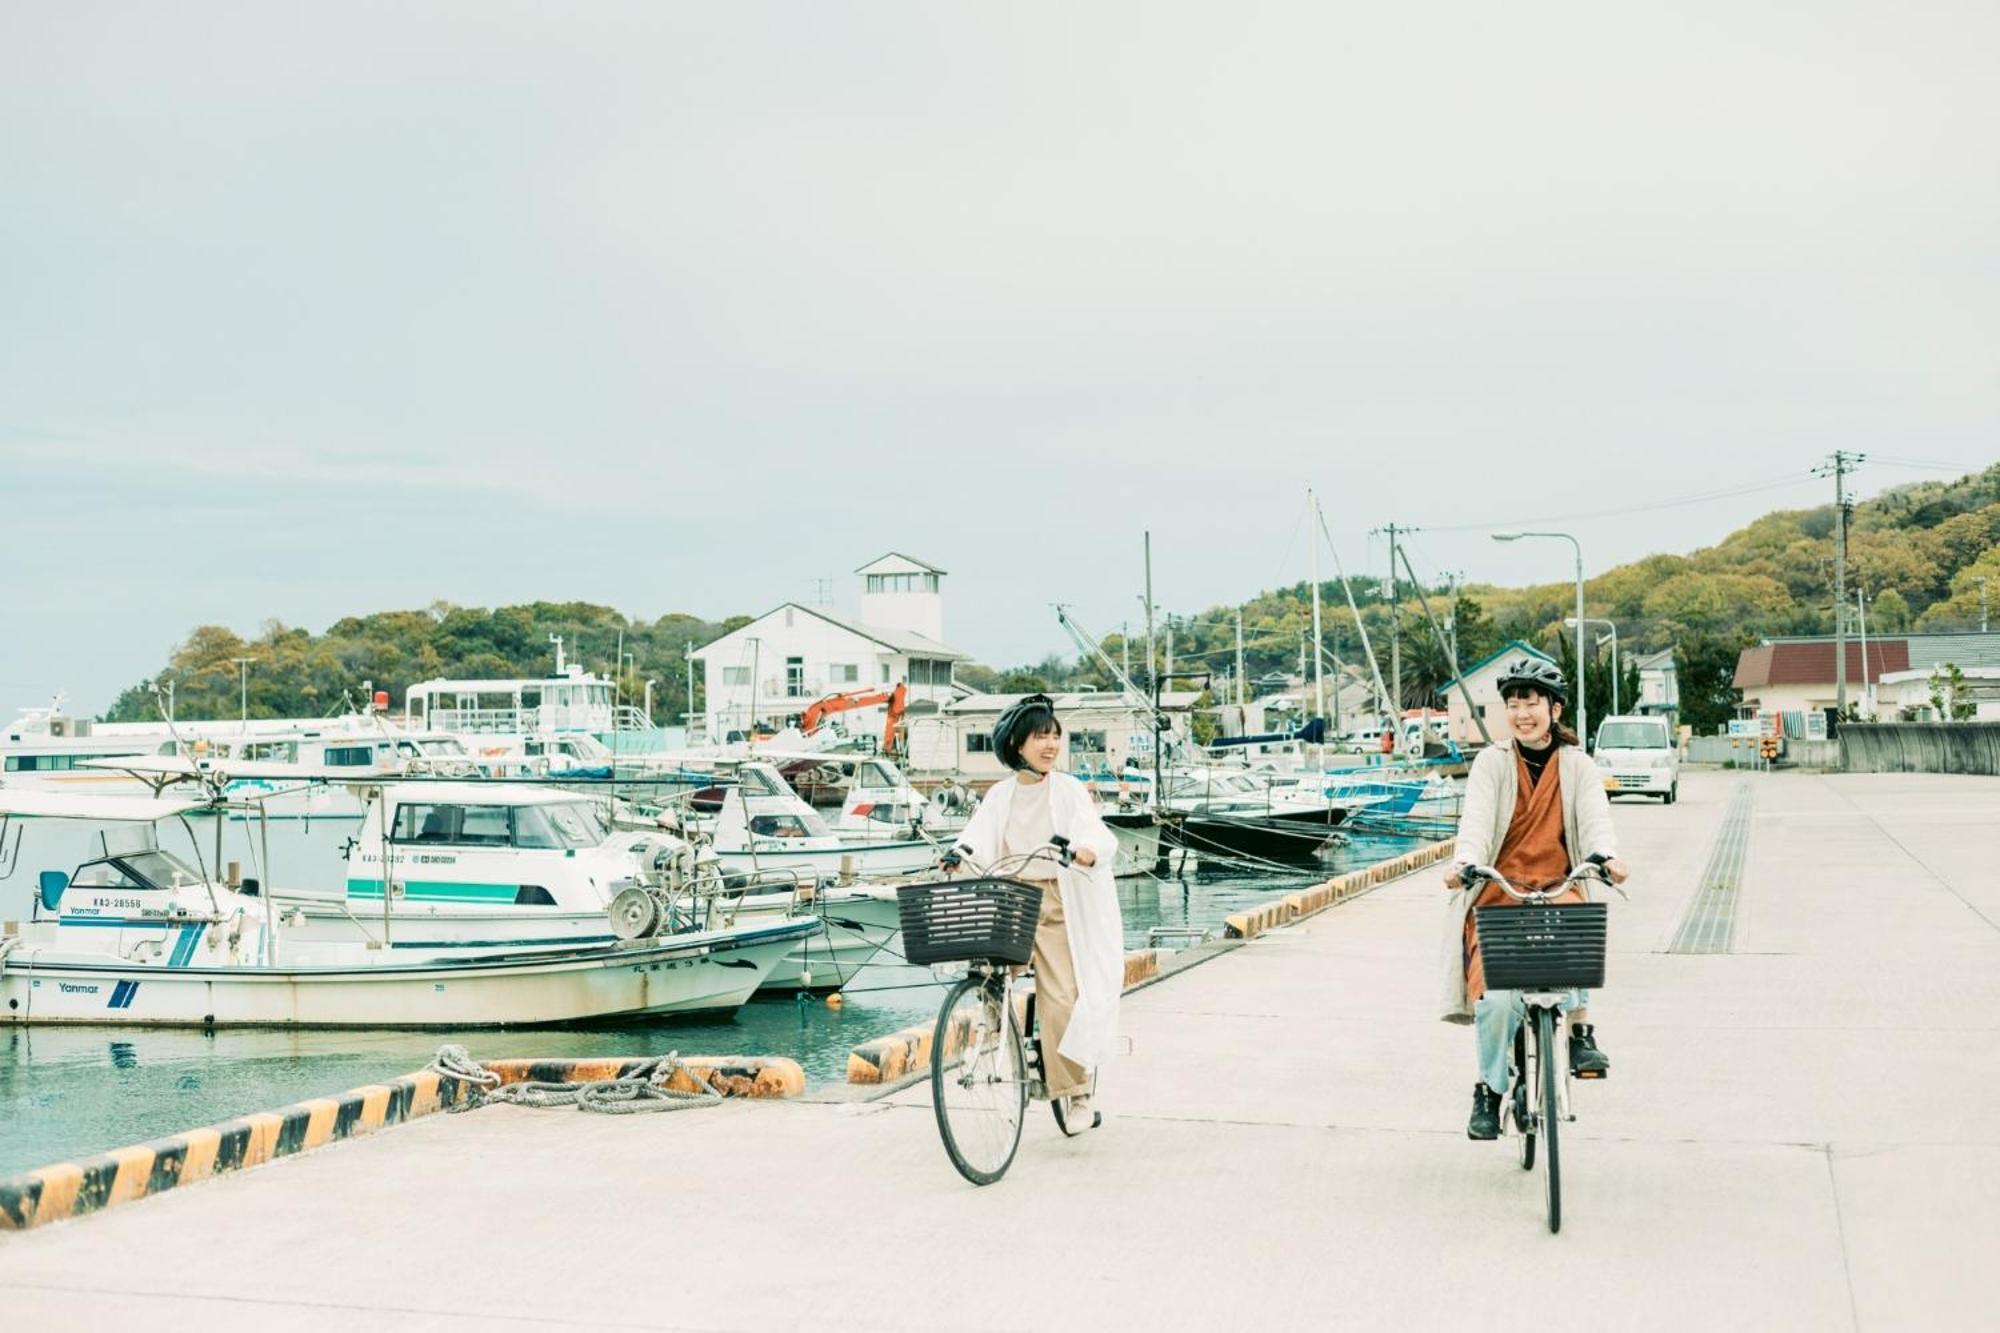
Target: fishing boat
x,y
140,936
761,826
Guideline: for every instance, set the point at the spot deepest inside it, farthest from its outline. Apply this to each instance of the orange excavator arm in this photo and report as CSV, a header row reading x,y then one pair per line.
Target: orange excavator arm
x,y
819,710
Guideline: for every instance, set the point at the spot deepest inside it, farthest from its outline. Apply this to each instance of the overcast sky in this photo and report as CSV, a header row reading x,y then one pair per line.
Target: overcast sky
x,y
316,310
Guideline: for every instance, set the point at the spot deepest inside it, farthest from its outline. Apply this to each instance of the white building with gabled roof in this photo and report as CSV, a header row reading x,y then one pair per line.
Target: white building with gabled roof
x,y
770,670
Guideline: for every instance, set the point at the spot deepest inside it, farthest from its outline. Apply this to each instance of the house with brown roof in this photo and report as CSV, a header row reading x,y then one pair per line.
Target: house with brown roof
x,y
1796,675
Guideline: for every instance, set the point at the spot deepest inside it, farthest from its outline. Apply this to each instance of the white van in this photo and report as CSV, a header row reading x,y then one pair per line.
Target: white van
x,y
1639,758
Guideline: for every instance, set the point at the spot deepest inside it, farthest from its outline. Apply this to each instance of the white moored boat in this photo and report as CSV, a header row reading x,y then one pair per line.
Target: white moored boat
x,y
140,937
485,866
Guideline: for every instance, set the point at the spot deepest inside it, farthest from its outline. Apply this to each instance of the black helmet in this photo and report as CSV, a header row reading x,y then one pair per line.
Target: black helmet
x,y
1536,673
1020,720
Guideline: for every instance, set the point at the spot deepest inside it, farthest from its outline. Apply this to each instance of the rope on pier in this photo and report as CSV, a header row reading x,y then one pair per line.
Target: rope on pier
x,y
642,1088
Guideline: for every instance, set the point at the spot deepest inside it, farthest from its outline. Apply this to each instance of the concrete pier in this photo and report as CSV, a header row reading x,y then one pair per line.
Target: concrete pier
x,y
1800,1132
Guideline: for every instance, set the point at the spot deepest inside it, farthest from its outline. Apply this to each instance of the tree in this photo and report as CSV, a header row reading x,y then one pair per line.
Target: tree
x,y
1948,697
1891,612
1705,666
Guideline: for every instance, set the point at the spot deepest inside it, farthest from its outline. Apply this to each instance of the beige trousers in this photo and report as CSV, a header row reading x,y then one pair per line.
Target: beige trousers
x,y
1055,994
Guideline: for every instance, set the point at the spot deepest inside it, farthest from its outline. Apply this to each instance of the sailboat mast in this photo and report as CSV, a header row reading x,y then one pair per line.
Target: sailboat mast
x,y
1319,657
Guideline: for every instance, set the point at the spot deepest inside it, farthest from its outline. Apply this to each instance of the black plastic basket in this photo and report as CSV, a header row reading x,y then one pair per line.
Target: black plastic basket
x,y
1552,947
961,920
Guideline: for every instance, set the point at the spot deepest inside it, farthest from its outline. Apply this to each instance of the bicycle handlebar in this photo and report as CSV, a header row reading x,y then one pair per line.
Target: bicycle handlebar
x,y
958,855
1591,869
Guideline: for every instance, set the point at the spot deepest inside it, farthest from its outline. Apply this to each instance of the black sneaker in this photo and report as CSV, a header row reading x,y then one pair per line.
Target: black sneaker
x,y
1585,1060
1485,1122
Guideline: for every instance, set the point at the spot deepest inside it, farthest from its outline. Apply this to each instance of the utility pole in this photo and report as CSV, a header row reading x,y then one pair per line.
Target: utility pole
x,y
1982,604
1395,625
1125,647
1239,658
1170,643
1837,467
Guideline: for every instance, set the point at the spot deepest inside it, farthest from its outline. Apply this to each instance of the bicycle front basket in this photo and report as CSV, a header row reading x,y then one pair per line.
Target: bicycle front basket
x,y
960,920
1550,947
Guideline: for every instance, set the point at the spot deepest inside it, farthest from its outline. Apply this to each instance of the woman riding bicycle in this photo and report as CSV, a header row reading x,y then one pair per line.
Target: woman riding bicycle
x,y
1079,956
1534,809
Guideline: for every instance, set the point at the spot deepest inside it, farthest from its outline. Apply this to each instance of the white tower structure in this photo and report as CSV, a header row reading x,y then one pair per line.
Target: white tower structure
x,y
900,593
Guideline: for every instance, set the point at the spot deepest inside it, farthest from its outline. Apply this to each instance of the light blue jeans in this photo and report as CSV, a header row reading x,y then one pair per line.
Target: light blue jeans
x,y
1496,1017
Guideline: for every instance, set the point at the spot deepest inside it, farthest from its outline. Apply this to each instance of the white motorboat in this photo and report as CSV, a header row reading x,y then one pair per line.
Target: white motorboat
x,y
138,936
483,866
763,827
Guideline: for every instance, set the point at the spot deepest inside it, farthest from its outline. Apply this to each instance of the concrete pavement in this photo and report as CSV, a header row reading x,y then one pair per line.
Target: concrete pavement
x,y
1798,1134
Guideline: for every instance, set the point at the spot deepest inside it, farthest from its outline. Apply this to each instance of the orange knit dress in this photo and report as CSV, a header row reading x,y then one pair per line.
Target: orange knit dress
x,y
1531,855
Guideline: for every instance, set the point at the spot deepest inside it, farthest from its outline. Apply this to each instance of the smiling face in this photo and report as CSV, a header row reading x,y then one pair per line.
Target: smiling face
x,y
1530,714
1041,750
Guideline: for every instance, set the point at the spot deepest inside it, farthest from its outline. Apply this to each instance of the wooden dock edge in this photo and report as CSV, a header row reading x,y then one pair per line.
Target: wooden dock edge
x,y
1310,902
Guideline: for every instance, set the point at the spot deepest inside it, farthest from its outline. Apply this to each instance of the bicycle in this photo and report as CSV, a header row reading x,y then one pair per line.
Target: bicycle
x,y
1542,950
986,1056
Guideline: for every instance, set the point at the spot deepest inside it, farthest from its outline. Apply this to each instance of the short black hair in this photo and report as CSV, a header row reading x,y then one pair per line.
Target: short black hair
x,y
1030,717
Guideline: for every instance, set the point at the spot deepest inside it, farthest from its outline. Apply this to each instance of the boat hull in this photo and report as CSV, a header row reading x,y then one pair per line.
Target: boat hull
x,y
645,979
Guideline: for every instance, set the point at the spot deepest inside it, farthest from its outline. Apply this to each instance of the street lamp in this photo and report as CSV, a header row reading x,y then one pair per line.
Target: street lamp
x,y
1582,709
1613,641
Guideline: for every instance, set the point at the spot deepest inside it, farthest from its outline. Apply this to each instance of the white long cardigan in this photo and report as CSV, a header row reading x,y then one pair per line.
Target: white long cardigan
x,y
1490,791
1090,905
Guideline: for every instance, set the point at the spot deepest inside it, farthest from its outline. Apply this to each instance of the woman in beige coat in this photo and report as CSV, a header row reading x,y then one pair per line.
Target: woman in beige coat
x,y
1534,809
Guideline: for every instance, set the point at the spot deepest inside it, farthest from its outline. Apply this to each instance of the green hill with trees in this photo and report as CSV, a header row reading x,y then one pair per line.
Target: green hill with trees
x,y
1919,553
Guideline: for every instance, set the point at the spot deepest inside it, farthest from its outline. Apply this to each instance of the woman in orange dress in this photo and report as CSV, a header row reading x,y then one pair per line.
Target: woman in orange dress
x,y
1534,809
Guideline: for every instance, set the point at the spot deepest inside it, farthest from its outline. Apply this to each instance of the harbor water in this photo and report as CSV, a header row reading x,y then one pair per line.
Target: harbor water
x,y
66,1092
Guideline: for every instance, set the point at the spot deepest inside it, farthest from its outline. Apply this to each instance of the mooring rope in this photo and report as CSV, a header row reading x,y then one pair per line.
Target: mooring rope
x,y
641,1088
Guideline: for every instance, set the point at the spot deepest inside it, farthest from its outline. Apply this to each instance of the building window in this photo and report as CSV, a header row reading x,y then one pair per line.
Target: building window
x,y
979,742
1086,742
844,673
902,583
736,675
885,673
795,676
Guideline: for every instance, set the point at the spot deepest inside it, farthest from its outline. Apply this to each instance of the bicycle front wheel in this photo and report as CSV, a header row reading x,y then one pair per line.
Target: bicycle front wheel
x,y
1545,1059
979,1087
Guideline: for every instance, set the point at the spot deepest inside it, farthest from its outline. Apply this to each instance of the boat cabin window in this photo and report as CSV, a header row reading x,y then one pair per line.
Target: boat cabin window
x,y
152,869
757,782
275,752
878,776
779,826
573,824
889,812
351,756
459,825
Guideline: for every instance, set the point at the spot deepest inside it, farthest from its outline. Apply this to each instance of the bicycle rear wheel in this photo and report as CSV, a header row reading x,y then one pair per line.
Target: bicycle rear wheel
x,y
1545,1059
980,1098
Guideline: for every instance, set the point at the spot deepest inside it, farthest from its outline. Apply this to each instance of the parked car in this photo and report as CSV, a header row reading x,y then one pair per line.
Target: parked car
x,y
1638,757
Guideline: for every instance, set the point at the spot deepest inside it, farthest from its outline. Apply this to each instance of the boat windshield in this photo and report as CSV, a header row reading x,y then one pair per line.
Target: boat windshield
x,y
573,824
153,869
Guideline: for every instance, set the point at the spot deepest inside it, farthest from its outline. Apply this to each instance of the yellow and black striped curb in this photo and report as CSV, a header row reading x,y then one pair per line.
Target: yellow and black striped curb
x,y
900,1054
1308,902
73,1189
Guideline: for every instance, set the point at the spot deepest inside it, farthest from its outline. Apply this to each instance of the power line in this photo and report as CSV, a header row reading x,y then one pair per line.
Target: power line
x,y
1705,497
